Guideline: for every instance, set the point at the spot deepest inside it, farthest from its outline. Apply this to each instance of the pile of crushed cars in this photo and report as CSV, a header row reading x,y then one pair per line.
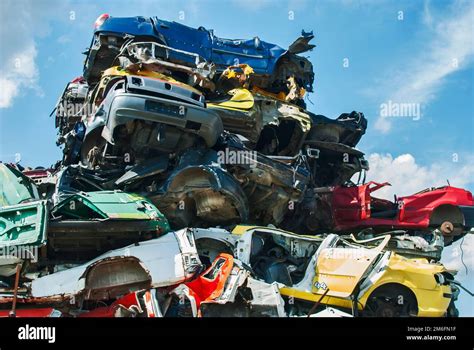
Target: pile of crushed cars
x,y
195,182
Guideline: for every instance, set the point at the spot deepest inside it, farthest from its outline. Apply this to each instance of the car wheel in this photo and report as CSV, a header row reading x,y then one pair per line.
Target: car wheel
x,y
391,301
388,307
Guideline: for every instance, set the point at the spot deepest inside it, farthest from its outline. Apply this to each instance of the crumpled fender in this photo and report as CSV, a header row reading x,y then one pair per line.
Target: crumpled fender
x,y
219,181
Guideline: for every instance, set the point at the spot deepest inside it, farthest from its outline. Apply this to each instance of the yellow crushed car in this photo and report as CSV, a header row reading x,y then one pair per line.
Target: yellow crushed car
x,y
272,126
115,73
340,272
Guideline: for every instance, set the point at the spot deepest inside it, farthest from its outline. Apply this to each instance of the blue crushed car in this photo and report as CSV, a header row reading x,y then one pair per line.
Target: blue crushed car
x,y
272,64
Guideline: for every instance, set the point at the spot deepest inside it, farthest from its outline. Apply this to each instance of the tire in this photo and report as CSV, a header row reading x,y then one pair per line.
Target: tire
x,y
391,300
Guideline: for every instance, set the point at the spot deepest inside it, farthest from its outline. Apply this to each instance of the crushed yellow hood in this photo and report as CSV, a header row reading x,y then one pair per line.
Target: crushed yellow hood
x,y
241,99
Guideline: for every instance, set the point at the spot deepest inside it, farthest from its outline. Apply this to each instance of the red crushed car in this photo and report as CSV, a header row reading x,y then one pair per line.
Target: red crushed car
x,y
136,304
32,312
40,176
204,289
448,208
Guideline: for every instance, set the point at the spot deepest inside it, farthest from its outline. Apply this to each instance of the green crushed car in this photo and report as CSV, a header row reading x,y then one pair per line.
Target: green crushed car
x,y
80,227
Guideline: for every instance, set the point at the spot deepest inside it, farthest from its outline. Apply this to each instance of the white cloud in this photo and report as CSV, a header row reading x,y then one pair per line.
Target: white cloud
x,y
8,90
408,177
20,72
23,21
449,49
427,16
18,51
383,124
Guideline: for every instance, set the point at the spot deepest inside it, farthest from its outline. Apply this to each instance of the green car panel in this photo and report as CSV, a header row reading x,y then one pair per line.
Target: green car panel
x,y
105,205
15,188
23,224
86,224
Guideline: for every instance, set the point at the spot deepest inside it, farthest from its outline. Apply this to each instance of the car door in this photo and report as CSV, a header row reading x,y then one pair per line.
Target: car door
x,y
340,269
23,216
350,204
23,224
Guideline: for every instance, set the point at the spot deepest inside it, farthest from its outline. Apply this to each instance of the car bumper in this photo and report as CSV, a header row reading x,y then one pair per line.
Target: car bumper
x,y
434,303
194,119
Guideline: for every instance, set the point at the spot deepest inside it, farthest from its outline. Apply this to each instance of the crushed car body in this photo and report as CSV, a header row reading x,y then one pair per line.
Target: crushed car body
x,y
85,224
164,261
74,225
271,63
226,289
338,272
449,209
132,123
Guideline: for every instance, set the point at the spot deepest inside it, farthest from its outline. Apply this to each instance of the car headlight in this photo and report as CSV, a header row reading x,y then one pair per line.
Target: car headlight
x,y
439,278
443,278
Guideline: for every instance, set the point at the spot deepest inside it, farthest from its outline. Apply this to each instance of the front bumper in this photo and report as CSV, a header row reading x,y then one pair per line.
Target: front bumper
x,y
434,303
197,120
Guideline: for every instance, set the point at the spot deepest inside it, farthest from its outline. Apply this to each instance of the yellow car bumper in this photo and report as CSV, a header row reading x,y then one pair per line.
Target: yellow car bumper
x,y
431,303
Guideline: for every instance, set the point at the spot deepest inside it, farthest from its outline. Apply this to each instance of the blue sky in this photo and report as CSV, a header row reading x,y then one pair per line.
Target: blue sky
x,y
368,53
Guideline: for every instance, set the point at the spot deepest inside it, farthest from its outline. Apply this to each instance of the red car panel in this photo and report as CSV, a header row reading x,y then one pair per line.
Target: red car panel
x,y
355,207
36,313
130,302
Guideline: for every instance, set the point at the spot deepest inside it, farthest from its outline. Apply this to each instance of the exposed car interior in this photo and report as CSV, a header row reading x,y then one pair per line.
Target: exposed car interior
x,y
279,258
383,208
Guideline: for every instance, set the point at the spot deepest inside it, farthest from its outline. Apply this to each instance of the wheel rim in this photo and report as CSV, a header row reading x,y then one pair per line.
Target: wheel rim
x,y
447,228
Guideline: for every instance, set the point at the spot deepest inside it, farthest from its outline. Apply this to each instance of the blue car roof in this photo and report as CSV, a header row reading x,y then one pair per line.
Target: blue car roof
x,y
201,41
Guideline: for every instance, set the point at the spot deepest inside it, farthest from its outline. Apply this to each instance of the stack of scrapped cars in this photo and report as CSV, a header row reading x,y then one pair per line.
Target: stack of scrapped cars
x,y
194,182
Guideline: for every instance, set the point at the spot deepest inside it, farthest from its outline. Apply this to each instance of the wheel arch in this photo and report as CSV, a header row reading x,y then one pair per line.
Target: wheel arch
x,y
392,289
446,212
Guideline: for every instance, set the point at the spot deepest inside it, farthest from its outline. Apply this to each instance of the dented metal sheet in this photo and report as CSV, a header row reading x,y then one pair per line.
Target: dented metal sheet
x,y
23,224
116,205
271,63
331,270
219,290
272,126
15,188
167,260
